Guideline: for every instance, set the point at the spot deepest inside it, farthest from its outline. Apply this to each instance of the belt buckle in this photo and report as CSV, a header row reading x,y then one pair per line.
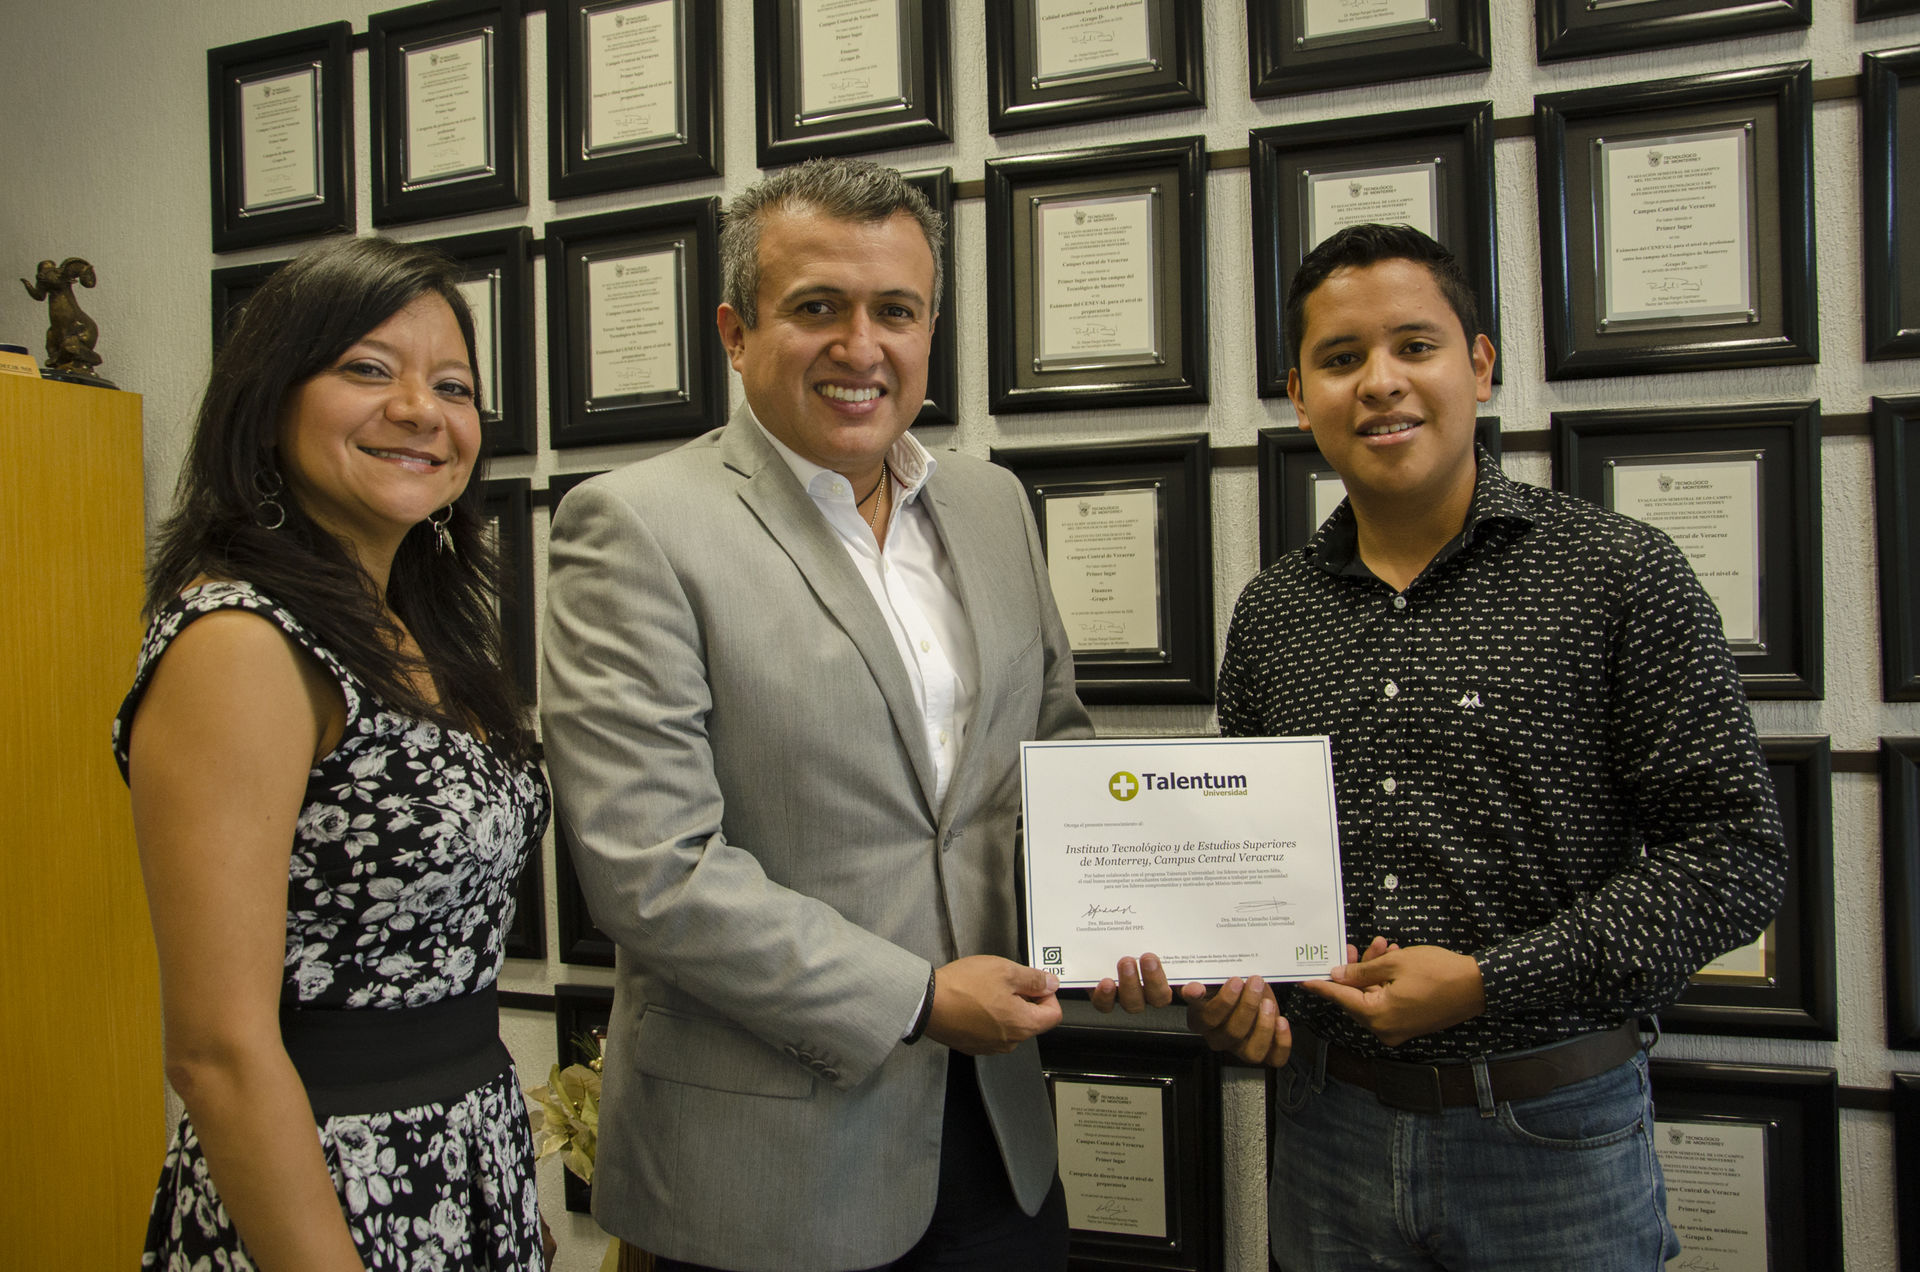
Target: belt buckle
x,y
1413,1088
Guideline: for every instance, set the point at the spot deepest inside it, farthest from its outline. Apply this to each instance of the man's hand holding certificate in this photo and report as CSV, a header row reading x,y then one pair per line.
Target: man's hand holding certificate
x,y
1221,855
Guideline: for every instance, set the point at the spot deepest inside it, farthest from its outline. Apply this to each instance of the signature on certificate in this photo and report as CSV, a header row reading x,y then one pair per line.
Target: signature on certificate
x,y
1096,910
1263,905
1110,1209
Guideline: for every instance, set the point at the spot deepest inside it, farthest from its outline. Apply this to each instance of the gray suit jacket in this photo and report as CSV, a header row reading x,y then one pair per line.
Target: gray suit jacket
x,y
737,753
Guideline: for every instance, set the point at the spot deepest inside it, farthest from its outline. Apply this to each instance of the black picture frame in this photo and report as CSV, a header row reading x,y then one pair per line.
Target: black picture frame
x,y
323,54
1457,141
1799,1112
1890,109
1179,471
1283,58
1567,29
232,287
1900,886
687,230
498,179
921,114
1289,465
690,150
581,943
1797,998
1868,10
1170,74
578,1010
1171,176
1771,108
1786,660
1896,482
1186,1075
507,504
526,936
497,267
1906,1164
943,359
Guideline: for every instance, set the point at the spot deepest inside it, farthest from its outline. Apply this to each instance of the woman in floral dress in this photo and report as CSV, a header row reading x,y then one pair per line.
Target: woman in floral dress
x,y
333,794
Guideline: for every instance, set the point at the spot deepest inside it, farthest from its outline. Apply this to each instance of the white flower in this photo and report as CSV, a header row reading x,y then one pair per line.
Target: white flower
x,y
370,763
323,822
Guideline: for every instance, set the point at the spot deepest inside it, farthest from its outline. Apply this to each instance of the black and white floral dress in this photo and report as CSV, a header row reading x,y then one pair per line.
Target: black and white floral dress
x,y
399,894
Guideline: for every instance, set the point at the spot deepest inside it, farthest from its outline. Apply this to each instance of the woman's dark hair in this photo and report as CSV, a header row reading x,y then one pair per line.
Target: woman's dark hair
x,y
296,325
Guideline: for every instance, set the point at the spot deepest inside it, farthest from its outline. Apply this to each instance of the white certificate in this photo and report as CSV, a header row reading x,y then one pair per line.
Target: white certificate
x,y
1751,962
1710,507
1094,286
483,300
1220,855
1089,39
1103,558
1716,1175
850,57
1402,194
633,75
1676,232
447,134
1113,1155
1328,490
634,315
1359,19
280,139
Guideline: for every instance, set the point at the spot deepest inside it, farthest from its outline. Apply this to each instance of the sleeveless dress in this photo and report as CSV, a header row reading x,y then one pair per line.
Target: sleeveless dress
x,y
399,893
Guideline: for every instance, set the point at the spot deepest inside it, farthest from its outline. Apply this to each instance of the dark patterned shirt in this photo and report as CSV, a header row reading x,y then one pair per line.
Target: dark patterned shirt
x,y
1541,753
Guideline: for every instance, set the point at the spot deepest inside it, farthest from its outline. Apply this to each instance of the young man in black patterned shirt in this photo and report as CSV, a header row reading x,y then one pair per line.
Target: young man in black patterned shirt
x,y
1553,810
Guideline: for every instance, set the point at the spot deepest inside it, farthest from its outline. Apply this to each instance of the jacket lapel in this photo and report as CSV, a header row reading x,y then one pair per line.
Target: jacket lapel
x,y
790,516
979,596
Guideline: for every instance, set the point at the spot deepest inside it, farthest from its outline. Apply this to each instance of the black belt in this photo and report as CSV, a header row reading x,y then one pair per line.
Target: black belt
x,y
1515,1075
370,1060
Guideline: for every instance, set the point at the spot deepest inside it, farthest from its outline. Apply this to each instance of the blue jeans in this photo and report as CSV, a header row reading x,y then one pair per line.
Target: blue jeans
x,y
1567,1182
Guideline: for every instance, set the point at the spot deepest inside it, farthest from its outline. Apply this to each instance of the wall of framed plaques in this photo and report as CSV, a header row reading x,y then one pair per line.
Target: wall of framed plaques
x,y
606,126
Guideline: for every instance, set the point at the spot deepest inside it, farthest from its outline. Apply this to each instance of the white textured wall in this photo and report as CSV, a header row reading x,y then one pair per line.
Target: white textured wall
x,y
104,150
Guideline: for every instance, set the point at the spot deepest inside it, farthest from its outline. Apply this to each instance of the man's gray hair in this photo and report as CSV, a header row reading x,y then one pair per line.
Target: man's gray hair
x,y
844,189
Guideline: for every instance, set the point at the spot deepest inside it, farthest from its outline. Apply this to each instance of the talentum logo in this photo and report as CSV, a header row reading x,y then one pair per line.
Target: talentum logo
x,y
1123,786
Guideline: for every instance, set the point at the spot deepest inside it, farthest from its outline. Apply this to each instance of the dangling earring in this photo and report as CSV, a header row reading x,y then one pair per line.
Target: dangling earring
x,y
442,537
267,512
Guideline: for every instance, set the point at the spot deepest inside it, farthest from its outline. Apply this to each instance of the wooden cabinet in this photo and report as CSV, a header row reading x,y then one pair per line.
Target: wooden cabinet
x,y
80,1069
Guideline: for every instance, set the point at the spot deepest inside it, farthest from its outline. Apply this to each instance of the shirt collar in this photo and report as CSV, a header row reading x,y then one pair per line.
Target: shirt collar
x,y
1497,500
911,464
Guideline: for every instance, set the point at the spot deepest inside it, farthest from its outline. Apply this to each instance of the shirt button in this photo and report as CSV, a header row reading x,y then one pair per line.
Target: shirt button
x,y
1399,602
943,737
1393,690
1389,786
925,645
1392,882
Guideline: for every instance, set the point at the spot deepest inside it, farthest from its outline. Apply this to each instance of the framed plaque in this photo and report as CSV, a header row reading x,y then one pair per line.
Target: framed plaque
x,y
633,94
1096,277
1137,1116
1299,489
449,109
1591,28
1065,61
633,353
581,1014
1431,169
497,281
1307,46
1782,984
846,77
1128,532
581,943
1891,172
1896,479
233,286
1906,1163
1738,489
1900,829
1676,224
280,116
1751,1156
943,359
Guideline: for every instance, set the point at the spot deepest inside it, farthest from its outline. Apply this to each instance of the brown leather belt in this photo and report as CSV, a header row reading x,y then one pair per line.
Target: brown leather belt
x,y
1515,1075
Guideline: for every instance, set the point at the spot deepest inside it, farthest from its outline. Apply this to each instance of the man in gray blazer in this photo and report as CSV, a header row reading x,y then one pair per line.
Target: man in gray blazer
x,y
789,666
